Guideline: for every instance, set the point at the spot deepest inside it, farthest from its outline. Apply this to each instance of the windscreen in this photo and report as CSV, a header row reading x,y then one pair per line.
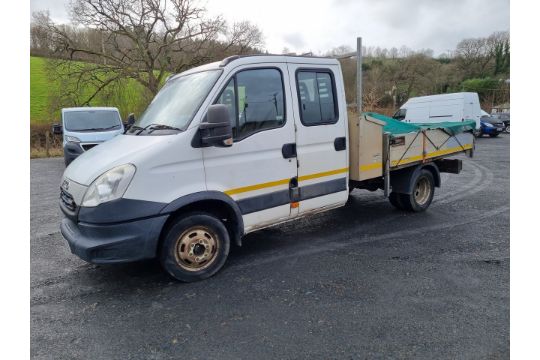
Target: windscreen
x,y
178,101
91,120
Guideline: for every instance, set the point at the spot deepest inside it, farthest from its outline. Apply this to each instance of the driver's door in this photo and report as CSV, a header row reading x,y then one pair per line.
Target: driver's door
x,y
254,170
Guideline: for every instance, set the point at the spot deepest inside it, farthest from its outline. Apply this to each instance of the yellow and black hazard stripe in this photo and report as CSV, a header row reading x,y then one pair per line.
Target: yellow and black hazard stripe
x,y
286,196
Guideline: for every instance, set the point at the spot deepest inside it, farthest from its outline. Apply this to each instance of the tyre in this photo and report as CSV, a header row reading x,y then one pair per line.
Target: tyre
x,y
195,247
494,135
395,200
507,129
422,195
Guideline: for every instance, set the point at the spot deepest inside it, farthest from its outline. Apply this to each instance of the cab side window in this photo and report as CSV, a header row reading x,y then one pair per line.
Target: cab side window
x,y
316,96
400,114
255,100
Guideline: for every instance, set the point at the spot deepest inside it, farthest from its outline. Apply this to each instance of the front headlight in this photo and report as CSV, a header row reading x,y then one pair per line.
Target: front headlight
x,y
109,186
73,139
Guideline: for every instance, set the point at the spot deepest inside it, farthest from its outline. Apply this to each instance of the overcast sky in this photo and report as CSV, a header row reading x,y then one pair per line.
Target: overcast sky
x,y
318,26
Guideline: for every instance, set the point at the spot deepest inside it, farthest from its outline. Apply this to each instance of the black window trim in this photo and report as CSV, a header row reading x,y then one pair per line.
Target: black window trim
x,y
334,93
400,117
233,76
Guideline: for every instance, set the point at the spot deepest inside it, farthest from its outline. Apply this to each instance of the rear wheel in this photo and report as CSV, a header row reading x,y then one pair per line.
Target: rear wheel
x,y
195,247
422,194
507,129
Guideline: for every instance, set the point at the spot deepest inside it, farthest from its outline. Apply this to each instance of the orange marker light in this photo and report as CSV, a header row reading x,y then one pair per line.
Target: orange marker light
x,y
294,205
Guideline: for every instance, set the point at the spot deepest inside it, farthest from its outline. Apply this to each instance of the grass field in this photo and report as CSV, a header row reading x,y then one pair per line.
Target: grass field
x,y
39,91
128,98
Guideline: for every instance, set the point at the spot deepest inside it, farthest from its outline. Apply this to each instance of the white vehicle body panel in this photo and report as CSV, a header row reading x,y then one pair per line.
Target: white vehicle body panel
x,y
253,166
168,167
443,107
318,161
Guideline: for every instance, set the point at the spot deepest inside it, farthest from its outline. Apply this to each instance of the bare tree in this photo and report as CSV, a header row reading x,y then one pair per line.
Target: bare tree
x,y
40,37
144,40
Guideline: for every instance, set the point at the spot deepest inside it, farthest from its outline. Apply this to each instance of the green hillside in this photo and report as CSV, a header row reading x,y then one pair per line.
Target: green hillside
x,y
127,96
39,90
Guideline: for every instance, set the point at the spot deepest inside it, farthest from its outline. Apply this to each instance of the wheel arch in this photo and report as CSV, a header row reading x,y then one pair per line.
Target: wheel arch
x,y
402,180
213,202
434,169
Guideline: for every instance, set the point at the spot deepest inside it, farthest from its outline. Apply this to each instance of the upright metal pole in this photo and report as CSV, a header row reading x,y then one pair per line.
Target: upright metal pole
x,y
359,75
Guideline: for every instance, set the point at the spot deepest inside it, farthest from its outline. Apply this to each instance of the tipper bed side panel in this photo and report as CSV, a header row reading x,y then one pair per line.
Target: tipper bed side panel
x,y
366,148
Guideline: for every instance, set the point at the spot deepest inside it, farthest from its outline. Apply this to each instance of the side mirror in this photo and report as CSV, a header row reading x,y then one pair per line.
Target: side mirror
x,y
217,129
57,129
129,121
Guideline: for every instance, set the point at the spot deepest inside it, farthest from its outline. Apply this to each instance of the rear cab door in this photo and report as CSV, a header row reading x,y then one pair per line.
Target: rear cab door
x,y
320,116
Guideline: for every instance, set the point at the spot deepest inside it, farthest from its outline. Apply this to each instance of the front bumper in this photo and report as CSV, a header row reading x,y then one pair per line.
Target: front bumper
x,y
492,130
114,243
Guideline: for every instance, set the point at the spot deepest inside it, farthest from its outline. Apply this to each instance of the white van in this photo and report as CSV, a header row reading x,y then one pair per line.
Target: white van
x,y
230,147
439,108
86,127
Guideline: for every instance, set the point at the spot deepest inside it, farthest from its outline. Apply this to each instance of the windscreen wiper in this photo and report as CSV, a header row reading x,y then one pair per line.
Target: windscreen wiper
x,y
105,128
158,127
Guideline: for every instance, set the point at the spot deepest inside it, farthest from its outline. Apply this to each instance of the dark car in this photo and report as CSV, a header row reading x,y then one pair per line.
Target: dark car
x,y
505,118
490,126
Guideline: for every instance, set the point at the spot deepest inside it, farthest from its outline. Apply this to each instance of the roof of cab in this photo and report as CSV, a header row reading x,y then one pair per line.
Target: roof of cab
x,y
90,108
237,60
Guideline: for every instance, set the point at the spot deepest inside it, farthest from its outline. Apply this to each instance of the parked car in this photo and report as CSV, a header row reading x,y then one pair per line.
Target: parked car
x,y
440,108
505,118
85,127
490,126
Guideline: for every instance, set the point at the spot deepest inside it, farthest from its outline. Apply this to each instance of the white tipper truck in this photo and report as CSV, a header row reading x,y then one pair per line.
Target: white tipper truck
x,y
231,147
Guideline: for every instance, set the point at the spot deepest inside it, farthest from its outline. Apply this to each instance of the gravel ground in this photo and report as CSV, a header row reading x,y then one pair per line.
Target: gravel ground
x,y
363,281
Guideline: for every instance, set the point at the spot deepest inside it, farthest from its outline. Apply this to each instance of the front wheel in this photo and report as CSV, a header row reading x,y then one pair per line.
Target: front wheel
x,y
507,129
422,193
195,247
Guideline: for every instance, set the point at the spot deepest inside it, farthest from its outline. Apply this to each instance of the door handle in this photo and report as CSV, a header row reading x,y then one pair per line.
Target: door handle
x,y
340,143
288,150
294,190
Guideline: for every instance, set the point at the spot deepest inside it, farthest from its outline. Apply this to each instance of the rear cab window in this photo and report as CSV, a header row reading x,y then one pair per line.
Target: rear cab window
x,y
317,97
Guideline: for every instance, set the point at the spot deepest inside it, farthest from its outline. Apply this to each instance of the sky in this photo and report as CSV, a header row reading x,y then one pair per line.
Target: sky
x,y
320,25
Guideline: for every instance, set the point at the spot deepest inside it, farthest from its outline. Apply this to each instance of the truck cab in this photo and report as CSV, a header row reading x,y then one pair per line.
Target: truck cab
x,y
225,149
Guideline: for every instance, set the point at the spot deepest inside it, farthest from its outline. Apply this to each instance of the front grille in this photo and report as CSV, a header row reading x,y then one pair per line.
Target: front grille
x,y
67,200
87,147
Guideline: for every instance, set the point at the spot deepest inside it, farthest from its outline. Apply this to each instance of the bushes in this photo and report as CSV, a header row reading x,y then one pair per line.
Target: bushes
x,y
38,141
488,89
